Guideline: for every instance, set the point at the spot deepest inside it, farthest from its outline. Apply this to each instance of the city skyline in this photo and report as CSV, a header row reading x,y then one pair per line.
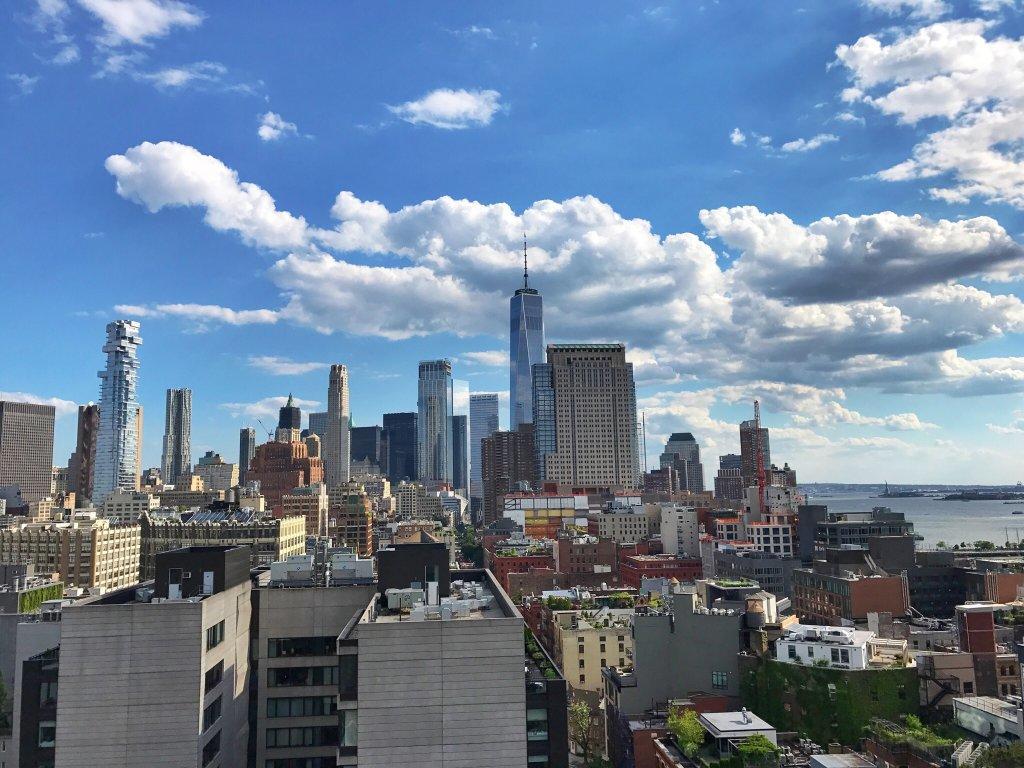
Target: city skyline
x,y
818,248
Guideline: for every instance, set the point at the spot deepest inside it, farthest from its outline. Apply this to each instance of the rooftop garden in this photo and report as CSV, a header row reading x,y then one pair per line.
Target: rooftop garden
x,y
911,734
537,660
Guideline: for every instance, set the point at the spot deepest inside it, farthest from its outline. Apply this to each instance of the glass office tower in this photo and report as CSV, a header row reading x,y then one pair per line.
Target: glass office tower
x,y
526,333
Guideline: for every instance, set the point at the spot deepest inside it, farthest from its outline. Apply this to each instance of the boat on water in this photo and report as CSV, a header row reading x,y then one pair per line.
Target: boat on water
x,y
1017,512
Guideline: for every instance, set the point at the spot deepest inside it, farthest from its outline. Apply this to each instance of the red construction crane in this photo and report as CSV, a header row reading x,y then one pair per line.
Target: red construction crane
x,y
762,491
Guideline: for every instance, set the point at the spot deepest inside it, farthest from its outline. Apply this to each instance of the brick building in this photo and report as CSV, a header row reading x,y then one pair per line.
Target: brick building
x,y
820,598
634,568
279,467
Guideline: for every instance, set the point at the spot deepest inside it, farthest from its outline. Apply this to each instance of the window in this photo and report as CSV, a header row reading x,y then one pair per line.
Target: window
x,y
348,727
968,687
211,749
300,646
302,706
720,680
583,679
47,733
835,655
292,676
47,692
792,651
312,736
215,636
844,655
581,664
211,714
301,762
348,676
537,724
213,676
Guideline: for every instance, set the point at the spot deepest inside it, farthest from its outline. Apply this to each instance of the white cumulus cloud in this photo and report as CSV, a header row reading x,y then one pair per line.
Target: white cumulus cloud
x,y
451,109
273,127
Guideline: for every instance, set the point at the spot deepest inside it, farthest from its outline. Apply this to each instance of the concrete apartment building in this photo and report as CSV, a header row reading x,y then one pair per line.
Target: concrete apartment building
x,y
267,539
296,627
680,530
86,552
127,506
444,693
595,417
159,677
217,474
26,447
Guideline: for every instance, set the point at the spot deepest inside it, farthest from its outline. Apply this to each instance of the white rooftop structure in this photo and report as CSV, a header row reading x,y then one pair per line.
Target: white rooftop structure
x,y
728,727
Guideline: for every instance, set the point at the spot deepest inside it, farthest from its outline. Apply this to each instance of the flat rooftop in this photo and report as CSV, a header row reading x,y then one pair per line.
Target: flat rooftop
x,y
735,722
473,598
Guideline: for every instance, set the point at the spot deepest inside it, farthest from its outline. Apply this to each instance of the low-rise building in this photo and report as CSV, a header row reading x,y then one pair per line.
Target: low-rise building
x,y
633,569
127,506
826,598
840,648
310,503
587,641
626,524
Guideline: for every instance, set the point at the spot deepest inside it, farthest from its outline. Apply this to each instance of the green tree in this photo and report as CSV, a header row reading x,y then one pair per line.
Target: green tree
x,y
982,544
687,730
758,750
581,733
1003,757
559,603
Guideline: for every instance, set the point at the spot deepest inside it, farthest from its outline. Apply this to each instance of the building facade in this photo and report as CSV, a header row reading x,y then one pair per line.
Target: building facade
x,y
279,467
336,444
350,519
26,448
176,460
83,460
401,431
216,474
434,422
483,422
595,417
507,459
749,438
117,443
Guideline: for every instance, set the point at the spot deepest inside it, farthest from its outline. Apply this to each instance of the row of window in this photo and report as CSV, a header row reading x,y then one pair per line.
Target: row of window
x,y
293,676
302,706
301,762
312,736
300,646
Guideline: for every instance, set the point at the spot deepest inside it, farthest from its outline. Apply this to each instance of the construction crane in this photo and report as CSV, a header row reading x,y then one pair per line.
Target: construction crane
x,y
762,491
270,435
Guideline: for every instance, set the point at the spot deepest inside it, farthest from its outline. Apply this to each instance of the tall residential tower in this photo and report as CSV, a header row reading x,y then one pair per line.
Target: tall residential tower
x,y
434,422
526,334
117,441
177,453
483,422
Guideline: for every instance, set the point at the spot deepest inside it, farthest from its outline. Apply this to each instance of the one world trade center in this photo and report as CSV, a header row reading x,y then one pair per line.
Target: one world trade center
x,y
526,334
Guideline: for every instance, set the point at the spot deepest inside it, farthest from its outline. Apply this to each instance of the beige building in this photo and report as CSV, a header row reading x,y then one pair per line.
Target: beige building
x,y
595,417
409,499
587,641
626,524
26,447
127,506
269,539
86,552
310,503
350,518
216,474
250,499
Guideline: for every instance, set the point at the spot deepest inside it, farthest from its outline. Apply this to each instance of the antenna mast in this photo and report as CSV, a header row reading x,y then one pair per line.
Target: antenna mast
x,y
526,275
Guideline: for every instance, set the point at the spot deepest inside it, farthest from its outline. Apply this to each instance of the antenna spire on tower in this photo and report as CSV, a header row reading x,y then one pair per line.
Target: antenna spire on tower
x,y
526,274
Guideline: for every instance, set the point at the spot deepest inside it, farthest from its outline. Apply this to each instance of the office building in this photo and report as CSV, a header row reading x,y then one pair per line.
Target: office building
x,y
545,440
401,432
507,463
854,529
279,467
748,453
289,422
86,552
246,452
434,422
483,422
460,454
682,453
729,484
174,688
350,518
117,443
335,445
216,474
368,444
176,460
543,515
82,461
26,448
318,424
526,348
595,417
265,539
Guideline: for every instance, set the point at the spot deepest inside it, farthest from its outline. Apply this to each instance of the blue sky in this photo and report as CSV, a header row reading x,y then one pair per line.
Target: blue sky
x,y
818,204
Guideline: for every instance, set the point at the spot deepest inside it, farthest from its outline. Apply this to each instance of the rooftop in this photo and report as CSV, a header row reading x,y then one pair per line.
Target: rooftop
x,y
744,721
473,597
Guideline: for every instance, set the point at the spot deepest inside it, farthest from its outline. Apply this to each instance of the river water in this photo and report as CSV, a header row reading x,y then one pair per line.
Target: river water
x,y
949,521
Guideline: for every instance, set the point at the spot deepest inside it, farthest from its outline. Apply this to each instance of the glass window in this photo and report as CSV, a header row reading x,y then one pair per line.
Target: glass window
x,y
301,646
348,728
348,675
211,749
213,676
211,714
215,635
47,692
720,680
294,676
47,733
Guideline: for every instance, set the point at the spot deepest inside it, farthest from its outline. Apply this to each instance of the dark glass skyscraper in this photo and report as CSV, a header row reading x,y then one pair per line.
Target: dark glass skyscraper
x,y
289,417
246,452
526,333
434,422
545,438
400,429
460,453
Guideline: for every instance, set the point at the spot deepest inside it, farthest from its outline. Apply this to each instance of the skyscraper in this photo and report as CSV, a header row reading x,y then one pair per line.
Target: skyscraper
x,y
544,434
366,444
289,422
402,434
526,336
26,447
335,446
80,465
177,453
318,424
117,458
246,451
460,453
595,417
483,422
682,453
748,453
434,422
507,459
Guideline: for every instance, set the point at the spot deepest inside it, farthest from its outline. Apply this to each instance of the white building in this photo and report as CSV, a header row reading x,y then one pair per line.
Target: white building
x,y
680,531
126,506
839,648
